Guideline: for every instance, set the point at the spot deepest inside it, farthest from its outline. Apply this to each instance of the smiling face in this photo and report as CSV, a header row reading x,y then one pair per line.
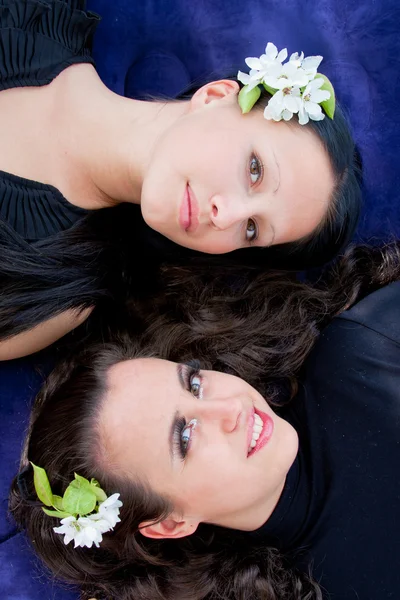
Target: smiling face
x,y
218,180
208,441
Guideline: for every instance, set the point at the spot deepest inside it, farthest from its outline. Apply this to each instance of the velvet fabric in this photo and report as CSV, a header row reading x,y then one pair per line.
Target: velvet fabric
x,y
157,48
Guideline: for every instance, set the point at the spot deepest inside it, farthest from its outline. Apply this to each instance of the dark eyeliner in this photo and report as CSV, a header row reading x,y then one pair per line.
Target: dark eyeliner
x,y
179,427
190,369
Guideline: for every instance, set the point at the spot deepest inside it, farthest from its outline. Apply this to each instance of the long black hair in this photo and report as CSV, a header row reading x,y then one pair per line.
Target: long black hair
x,y
261,331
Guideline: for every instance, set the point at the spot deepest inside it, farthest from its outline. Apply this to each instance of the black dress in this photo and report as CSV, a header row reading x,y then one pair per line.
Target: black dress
x,y
340,508
38,40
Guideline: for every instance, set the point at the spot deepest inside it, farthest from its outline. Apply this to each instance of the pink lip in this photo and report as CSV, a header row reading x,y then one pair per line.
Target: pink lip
x,y
189,211
266,432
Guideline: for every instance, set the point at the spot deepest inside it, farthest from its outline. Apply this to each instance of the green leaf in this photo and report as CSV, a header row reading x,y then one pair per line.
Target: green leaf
x,y
101,496
79,497
42,485
328,105
84,483
269,89
58,502
247,99
56,513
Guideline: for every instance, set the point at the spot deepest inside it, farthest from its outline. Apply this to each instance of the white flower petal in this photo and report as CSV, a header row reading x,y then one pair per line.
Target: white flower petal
x,y
282,55
276,102
320,96
253,63
316,83
311,63
303,116
313,109
243,77
297,58
292,103
289,69
68,520
272,114
267,113
111,502
287,115
319,117
271,51
300,78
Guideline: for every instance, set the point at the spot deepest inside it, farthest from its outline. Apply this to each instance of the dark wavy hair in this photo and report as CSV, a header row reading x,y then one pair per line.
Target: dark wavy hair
x,y
99,260
260,327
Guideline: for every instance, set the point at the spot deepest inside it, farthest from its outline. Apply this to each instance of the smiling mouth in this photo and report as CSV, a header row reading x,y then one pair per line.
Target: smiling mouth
x,y
260,432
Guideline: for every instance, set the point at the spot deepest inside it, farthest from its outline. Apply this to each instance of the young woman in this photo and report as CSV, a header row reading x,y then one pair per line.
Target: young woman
x,y
224,495
195,173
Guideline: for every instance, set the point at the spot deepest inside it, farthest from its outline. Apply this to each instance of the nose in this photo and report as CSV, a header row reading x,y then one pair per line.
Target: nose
x,y
224,412
226,212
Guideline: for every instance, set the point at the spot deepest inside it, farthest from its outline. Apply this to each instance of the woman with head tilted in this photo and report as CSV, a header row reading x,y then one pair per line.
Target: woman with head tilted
x,y
206,177
225,495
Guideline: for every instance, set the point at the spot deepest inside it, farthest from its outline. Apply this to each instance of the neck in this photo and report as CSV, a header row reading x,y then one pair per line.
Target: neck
x,y
255,516
110,139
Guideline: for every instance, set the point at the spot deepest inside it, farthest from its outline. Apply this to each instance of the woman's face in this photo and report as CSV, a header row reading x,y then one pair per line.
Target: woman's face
x,y
206,440
218,180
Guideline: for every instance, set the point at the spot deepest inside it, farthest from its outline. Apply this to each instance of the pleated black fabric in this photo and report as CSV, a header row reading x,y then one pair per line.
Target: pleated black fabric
x,y
38,40
35,210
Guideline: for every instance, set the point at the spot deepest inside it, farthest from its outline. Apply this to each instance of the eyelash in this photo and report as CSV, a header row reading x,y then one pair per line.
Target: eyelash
x,y
190,370
254,234
260,167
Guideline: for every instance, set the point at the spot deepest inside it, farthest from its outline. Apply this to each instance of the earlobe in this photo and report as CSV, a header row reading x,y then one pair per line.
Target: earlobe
x,y
216,90
168,529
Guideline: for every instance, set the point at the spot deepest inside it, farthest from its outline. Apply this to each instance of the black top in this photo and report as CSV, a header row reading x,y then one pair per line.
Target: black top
x,y
38,40
341,502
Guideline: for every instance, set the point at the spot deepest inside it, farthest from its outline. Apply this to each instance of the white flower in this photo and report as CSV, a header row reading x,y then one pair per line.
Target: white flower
x,y
309,64
109,511
296,58
88,530
84,531
310,101
283,104
259,67
285,76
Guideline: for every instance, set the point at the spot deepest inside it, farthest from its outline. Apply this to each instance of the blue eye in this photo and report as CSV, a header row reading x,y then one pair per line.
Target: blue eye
x,y
256,169
251,231
191,373
183,435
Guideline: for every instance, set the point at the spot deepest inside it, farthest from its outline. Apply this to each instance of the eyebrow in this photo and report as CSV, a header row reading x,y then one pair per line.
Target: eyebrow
x,y
171,436
181,377
279,175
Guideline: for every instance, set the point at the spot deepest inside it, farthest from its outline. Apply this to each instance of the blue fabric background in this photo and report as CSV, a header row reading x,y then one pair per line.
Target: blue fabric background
x,y
158,47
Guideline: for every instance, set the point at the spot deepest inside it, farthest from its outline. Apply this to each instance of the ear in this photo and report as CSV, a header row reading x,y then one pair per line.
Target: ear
x,y
168,528
224,89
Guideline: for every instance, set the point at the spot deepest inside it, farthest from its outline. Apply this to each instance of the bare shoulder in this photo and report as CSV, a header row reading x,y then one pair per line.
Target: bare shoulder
x,y
42,335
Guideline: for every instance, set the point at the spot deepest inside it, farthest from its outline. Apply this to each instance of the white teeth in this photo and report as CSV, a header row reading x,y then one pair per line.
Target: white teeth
x,y
257,428
258,420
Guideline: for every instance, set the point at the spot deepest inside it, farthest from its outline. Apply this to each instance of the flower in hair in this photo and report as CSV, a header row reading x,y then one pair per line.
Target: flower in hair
x,y
83,531
259,67
311,99
85,511
283,104
296,87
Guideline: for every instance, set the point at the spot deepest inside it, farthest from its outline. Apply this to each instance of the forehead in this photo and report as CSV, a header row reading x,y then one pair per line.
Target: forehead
x,y
140,394
141,379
